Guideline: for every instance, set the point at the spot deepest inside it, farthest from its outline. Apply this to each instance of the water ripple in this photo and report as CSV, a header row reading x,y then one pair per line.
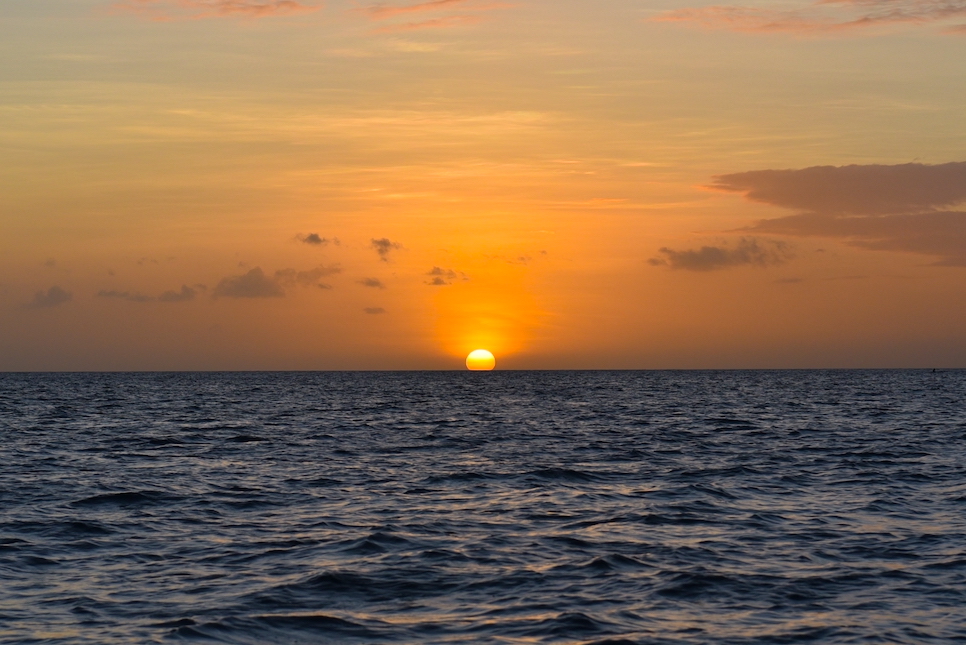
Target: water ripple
x,y
603,508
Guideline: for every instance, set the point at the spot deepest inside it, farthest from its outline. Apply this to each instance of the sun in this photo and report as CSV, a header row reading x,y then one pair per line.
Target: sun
x,y
480,360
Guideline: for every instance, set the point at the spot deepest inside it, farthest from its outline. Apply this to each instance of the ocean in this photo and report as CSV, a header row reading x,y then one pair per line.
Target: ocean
x,y
466,507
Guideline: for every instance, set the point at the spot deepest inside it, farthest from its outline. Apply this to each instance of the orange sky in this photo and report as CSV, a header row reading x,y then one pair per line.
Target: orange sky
x,y
256,184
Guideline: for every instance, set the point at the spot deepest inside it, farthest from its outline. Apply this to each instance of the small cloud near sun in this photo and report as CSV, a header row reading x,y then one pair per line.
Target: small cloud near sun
x,y
374,283
187,293
442,277
383,246
254,284
314,239
53,297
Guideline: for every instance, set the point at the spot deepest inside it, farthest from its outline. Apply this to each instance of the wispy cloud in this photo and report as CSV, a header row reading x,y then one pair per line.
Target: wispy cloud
x,y
824,17
187,293
291,277
442,277
168,10
748,252
374,310
435,23
382,12
254,284
132,296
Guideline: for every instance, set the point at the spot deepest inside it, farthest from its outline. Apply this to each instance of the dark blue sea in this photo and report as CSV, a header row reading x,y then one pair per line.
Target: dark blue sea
x,y
503,507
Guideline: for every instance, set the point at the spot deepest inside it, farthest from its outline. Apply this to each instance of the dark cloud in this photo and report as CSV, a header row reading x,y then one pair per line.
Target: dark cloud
x,y
124,295
375,283
748,252
187,293
383,247
291,277
51,298
941,234
442,277
314,239
374,310
887,208
853,190
254,284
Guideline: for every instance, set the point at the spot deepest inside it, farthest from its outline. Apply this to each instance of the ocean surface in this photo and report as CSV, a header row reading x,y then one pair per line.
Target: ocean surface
x,y
502,507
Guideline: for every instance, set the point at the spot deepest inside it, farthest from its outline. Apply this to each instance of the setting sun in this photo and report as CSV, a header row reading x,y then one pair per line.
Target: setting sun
x,y
480,360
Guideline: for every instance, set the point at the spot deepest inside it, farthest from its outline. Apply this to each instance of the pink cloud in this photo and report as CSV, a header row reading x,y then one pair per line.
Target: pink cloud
x,y
380,11
436,23
822,17
167,10
384,12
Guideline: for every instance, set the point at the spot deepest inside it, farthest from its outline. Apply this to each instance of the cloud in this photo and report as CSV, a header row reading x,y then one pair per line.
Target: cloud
x,y
442,277
53,297
904,207
187,293
853,190
384,12
314,239
435,23
124,295
822,17
291,277
168,10
374,310
375,283
941,234
380,11
748,252
254,284
383,247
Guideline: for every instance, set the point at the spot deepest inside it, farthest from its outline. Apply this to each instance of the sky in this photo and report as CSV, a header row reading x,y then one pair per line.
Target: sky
x,y
630,184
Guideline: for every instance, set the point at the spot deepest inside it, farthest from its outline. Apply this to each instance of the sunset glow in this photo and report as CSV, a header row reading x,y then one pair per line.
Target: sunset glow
x,y
263,184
